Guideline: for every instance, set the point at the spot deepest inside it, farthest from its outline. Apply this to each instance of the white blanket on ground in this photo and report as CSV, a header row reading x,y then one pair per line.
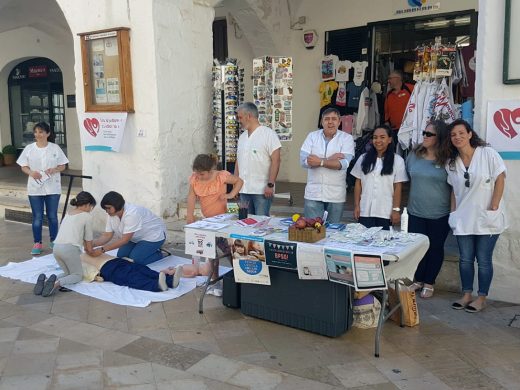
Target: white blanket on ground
x,y
29,270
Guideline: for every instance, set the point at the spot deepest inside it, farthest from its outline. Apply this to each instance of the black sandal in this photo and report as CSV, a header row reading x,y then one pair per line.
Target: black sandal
x,y
64,289
459,306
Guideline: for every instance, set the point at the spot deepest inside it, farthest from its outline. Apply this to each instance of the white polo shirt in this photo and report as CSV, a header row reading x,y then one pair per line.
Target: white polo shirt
x,y
41,159
324,184
254,158
472,214
145,225
377,191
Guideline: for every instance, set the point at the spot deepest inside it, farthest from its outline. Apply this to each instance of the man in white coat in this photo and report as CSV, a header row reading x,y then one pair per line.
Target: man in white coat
x,y
326,154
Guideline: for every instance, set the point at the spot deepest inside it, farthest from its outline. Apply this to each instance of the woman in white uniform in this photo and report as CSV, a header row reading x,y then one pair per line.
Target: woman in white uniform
x,y
379,176
43,161
477,174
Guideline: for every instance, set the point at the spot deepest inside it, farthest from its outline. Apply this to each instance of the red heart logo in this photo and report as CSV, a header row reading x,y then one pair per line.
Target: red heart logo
x,y
504,120
92,126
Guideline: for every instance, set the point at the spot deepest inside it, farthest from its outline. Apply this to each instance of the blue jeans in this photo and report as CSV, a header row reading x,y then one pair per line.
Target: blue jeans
x,y
142,252
481,247
50,202
315,208
437,230
124,273
258,203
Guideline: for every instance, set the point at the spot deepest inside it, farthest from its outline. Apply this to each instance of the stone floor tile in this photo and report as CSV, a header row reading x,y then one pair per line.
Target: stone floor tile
x,y
239,345
25,382
9,334
207,346
164,335
186,303
113,340
70,329
33,363
256,378
357,374
425,382
317,373
146,386
3,363
293,358
470,379
116,359
184,384
92,359
188,320
6,347
399,368
506,375
231,328
70,346
217,368
8,309
170,355
27,317
380,386
133,374
29,334
79,379
107,315
74,309
291,382
48,345
221,314
163,373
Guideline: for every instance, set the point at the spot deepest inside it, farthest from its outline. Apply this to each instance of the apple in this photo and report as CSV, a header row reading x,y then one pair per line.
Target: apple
x,y
310,222
300,223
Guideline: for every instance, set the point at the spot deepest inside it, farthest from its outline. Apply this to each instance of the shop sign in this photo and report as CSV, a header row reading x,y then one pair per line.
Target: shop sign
x,y
18,75
410,7
38,71
503,128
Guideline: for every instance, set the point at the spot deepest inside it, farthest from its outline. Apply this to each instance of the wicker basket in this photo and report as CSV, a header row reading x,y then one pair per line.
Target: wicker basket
x,y
306,235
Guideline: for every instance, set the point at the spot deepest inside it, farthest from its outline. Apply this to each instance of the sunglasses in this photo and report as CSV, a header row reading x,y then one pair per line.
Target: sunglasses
x,y
428,134
467,182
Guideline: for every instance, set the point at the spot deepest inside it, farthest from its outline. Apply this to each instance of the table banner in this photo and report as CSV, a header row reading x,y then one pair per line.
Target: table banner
x,y
311,262
339,266
280,254
200,243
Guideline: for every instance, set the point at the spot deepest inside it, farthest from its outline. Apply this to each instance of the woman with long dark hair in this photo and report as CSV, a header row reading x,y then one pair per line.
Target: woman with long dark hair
x,y
379,176
43,161
429,201
477,174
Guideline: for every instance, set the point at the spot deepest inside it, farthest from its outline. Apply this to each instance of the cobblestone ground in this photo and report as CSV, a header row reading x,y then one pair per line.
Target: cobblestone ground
x,y
72,341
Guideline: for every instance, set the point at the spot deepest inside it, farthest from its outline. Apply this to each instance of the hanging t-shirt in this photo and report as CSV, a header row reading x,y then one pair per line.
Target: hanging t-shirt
x,y
354,91
327,89
469,59
328,67
342,69
341,96
359,72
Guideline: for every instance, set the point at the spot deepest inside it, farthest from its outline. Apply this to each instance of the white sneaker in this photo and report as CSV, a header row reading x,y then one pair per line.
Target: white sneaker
x,y
177,277
215,289
162,282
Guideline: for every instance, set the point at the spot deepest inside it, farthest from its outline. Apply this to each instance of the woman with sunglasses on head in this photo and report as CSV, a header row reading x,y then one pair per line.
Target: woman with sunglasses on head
x,y
477,174
429,202
379,174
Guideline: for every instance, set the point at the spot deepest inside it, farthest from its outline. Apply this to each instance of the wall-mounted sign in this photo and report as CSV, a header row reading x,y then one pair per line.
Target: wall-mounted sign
x,y
107,72
503,128
410,7
102,131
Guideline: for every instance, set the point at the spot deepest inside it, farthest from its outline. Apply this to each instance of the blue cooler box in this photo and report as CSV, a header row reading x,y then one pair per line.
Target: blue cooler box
x,y
318,306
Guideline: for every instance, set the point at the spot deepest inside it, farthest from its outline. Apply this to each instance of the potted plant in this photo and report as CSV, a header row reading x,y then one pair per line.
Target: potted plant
x,y
9,152
1,159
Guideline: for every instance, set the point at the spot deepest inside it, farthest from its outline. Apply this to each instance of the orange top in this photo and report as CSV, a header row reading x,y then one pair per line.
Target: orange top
x,y
209,193
395,104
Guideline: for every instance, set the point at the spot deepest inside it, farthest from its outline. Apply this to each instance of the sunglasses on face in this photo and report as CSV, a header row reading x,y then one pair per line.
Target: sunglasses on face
x,y
466,176
428,134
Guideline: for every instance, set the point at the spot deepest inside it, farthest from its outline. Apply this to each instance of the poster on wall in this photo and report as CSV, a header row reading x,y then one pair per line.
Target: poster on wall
x,y
102,131
503,127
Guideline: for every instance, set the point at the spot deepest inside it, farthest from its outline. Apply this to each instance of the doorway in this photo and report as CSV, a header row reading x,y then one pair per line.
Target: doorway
x,y
36,95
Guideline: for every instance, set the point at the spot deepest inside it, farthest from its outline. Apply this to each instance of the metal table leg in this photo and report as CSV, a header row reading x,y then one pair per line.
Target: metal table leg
x,y
383,317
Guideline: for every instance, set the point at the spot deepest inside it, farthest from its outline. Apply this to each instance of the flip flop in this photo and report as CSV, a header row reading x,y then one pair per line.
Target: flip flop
x,y
459,306
427,292
38,287
473,309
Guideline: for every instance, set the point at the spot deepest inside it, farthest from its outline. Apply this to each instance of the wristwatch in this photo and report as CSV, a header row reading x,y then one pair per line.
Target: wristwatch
x,y
321,162
396,209
270,185
102,249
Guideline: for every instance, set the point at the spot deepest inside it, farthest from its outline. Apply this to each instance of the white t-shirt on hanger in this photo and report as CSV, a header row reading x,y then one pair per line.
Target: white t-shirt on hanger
x,y
359,72
342,70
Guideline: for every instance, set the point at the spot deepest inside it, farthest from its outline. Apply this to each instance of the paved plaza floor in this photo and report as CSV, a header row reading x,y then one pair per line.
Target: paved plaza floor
x,y
71,341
